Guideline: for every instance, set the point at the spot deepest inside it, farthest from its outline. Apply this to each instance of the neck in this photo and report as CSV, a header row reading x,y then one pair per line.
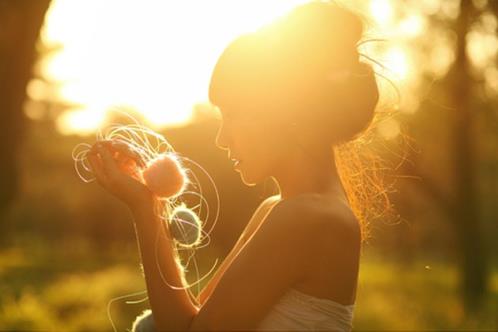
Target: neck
x,y
305,173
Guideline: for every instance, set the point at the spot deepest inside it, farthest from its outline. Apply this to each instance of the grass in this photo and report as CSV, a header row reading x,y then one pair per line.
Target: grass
x,y
46,288
49,289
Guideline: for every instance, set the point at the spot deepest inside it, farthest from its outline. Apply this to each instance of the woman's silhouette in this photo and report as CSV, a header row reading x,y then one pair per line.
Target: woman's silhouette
x,y
288,94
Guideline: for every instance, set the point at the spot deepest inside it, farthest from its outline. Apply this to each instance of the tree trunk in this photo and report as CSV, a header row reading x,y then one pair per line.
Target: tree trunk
x,y
20,23
472,250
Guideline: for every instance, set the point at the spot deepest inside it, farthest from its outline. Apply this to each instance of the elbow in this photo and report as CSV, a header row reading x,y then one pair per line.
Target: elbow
x,y
198,325
147,322
144,323
202,321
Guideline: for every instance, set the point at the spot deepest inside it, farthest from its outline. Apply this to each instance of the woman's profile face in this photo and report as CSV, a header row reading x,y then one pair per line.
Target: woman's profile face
x,y
257,145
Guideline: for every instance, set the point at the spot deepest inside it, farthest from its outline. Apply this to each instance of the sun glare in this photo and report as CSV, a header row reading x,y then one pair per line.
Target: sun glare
x,y
411,26
153,56
397,62
84,121
382,11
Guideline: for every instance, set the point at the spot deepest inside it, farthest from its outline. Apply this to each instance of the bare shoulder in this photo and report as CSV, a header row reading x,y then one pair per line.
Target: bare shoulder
x,y
270,201
313,224
323,219
285,224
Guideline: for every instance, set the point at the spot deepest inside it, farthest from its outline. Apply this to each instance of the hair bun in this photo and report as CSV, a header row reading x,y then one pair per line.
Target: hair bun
x,y
359,95
322,32
341,105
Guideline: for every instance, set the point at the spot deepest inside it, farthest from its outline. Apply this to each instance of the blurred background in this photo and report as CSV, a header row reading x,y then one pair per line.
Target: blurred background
x,y
67,247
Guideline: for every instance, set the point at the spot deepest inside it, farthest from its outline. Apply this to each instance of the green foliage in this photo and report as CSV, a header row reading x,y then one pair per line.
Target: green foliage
x,y
44,291
420,295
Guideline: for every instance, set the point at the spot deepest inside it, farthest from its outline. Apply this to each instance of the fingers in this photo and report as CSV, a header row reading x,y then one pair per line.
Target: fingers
x,y
111,158
108,163
97,170
102,163
124,149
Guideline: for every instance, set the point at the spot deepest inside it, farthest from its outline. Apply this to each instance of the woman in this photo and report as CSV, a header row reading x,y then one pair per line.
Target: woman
x,y
288,94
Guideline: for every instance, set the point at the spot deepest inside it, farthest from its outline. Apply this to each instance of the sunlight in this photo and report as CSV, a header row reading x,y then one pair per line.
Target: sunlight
x,y
382,11
411,26
83,121
397,62
156,57
388,128
152,56
491,78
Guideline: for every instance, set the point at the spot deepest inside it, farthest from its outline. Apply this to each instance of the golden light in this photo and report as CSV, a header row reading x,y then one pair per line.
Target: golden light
x,y
153,56
431,7
382,11
491,78
36,89
84,121
156,57
388,128
482,42
396,61
411,26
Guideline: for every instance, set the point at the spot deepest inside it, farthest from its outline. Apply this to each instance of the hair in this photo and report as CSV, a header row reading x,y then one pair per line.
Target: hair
x,y
304,69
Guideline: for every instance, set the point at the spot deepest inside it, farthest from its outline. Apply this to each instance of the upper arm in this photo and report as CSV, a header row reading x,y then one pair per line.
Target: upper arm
x,y
271,261
256,218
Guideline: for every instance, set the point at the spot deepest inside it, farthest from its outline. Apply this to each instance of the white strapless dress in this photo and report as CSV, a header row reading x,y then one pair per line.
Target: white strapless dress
x,y
294,311
297,311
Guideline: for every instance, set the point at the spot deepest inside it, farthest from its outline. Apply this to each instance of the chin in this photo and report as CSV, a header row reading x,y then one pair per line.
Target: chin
x,y
251,178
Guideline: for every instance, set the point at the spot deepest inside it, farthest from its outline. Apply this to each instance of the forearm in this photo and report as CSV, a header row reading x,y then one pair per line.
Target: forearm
x,y
171,308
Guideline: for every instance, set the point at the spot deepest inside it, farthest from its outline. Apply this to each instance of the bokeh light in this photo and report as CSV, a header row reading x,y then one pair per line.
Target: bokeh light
x,y
153,56
146,56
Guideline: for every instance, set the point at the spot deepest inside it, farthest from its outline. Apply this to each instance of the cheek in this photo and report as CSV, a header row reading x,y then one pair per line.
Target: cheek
x,y
270,147
250,138
263,150
263,145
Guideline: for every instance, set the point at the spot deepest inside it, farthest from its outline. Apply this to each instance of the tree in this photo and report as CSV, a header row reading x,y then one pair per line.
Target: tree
x,y
457,196
465,212
20,23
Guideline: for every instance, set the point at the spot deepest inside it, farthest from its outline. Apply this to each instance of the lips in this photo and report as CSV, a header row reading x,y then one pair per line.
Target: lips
x,y
236,161
233,158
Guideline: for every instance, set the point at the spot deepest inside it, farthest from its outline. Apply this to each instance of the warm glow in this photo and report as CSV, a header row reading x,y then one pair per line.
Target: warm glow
x,y
382,11
152,56
388,128
411,26
155,57
397,62
491,78
83,121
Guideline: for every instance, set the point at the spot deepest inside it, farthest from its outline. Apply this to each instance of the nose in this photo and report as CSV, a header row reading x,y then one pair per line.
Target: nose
x,y
221,137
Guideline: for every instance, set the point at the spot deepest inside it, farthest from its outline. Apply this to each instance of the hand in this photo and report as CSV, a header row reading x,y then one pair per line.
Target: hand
x,y
116,169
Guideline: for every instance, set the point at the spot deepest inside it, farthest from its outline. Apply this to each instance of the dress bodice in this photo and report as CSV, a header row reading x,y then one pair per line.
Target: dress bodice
x,y
297,311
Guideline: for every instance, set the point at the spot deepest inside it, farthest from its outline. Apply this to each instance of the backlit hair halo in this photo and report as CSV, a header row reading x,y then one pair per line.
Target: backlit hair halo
x,y
164,171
